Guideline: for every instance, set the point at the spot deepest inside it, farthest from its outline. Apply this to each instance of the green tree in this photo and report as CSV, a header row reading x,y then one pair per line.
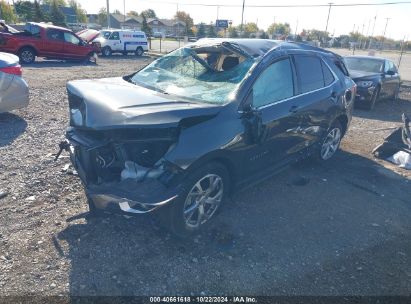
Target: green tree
x,y
149,13
317,35
59,2
211,33
251,27
24,10
38,14
102,16
201,31
279,28
186,18
232,32
132,14
56,15
81,13
248,29
117,12
145,27
7,12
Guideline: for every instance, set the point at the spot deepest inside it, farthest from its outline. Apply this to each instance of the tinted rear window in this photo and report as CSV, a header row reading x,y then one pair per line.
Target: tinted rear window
x,y
310,73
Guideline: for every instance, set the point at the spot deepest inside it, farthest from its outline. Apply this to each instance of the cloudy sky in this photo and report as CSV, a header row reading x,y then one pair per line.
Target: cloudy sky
x,y
342,19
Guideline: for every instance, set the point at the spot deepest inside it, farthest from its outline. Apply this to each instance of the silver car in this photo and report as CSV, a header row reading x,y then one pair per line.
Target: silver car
x,y
14,91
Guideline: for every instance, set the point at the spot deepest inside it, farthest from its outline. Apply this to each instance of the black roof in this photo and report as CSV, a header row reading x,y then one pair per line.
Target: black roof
x,y
259,47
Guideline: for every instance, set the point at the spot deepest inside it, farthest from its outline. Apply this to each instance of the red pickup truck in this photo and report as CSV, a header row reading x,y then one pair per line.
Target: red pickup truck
x,y
45,40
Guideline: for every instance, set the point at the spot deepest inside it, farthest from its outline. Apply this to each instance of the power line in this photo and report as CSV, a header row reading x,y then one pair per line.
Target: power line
x,y
280,6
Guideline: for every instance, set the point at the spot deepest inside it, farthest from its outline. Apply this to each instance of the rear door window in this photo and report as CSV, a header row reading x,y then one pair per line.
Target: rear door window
x,y
328,76
309,73
55,35
274,84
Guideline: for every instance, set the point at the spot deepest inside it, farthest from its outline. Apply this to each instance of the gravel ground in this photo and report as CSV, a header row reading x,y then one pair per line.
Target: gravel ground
x,y
339,228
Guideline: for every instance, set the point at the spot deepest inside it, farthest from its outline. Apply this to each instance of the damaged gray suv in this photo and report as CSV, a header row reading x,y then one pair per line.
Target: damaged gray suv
x,y
181,134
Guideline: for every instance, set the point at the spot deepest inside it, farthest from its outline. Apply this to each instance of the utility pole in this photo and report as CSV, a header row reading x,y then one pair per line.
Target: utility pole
x,y
124,6
403,45
108,14
296,27
368,31
242,18
385,29
362,34
328,18
178,28
372,34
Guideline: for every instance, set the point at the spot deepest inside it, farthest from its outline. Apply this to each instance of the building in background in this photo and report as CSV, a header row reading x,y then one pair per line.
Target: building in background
x,y
164,26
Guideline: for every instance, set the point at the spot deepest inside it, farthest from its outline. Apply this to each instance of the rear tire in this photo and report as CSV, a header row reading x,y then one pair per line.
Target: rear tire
x,y
330,143
27,55
139,51
204,191
106,51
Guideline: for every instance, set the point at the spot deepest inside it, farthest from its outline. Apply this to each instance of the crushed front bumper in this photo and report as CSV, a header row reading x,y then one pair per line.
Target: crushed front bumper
x,y
125,197
364,95
131,197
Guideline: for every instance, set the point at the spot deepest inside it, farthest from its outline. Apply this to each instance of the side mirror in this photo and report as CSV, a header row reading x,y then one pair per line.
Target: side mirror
x,y
390,72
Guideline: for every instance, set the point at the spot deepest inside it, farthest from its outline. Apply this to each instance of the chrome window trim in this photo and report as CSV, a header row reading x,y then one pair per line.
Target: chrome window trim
x,y
303,94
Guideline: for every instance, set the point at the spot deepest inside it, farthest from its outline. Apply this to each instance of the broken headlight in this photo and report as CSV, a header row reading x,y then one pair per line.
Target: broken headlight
x,y
77,108
365,84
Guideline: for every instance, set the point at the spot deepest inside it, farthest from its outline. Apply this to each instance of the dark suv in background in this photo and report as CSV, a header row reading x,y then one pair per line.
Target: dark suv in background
x,y
376,78
194,125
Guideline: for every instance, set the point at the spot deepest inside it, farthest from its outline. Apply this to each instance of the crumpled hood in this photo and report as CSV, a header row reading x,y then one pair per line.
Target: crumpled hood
x,y
115,103
88,35
361,75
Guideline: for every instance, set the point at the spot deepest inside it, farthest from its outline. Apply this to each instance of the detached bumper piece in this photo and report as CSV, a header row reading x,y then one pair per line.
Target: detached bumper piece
x,y
398,140
130,197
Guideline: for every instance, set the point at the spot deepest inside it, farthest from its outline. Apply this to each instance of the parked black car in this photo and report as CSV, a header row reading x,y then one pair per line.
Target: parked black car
x,y
376,78
181,134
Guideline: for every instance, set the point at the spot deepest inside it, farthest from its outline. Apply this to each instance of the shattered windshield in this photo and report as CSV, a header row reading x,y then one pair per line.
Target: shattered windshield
x,y
208,75
364,64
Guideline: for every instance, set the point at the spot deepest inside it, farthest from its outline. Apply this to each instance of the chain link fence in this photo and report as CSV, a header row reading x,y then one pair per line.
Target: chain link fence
x,y
166,45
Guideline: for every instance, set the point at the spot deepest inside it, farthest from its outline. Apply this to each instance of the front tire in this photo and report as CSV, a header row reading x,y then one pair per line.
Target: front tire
x,y
27,55
203,193
91,58
106,51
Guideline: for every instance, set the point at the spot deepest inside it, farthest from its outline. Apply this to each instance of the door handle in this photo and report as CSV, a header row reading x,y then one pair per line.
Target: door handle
x,y
294,109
